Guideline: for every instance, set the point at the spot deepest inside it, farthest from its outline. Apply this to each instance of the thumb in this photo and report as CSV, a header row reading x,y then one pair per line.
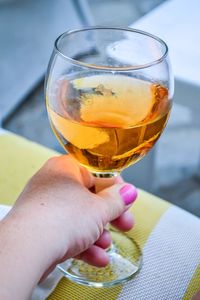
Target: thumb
x,y
117,199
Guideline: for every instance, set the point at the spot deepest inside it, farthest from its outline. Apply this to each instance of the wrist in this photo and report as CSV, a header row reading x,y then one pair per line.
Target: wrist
x,y
27,250
39,230
20,263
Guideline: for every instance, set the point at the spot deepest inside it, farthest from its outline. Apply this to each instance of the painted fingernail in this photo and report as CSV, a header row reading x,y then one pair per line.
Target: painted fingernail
x,y
128,194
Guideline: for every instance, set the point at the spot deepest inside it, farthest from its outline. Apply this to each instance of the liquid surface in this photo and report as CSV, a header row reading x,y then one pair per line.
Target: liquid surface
x,y
108,122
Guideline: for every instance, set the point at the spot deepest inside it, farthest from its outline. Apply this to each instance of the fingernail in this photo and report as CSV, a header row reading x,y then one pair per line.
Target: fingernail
x,y
128,194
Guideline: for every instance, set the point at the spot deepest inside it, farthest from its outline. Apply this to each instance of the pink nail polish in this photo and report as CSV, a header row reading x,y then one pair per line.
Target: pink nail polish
x,y
128,194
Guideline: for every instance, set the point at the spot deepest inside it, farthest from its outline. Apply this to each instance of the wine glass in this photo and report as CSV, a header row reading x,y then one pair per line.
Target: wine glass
x,y
108,96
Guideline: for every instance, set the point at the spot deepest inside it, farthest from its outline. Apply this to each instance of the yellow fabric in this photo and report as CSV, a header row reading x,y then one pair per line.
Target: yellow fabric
x,y
19,160
147,211
71,291
194,285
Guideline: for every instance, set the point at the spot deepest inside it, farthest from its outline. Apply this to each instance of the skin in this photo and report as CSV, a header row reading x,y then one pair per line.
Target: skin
x,y
58,216
196,297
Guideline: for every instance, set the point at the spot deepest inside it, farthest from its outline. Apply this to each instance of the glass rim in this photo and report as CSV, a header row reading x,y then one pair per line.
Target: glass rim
x,y
111,68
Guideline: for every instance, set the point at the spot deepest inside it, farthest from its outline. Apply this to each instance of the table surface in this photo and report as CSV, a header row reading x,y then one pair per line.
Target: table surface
x,y
177,22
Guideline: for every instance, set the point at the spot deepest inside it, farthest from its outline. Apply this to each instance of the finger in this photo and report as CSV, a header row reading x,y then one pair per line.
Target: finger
x,y
88,179
116,199
66,165
102,183
196,296
105,240
95,256
119,179
47,272
82,174
125,222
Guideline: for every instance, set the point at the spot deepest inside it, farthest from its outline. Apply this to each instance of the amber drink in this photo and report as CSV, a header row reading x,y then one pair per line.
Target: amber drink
x,y
108,122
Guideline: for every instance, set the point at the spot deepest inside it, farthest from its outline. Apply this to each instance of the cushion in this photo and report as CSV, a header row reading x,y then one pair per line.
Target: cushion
x,y
168,235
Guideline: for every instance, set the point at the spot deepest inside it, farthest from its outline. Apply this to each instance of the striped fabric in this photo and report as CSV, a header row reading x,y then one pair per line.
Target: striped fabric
x,y
169,236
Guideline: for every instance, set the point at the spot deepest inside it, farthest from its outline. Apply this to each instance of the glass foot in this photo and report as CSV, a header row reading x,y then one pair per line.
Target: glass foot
x,y
125,261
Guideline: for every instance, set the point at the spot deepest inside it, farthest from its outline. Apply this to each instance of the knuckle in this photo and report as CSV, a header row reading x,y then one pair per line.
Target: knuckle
x,y
51,161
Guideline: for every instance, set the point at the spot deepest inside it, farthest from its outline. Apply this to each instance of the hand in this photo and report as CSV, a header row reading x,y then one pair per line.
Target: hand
x,y
57,216
60,192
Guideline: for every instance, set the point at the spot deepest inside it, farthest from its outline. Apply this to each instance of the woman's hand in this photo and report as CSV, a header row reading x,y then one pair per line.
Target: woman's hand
x,y
57,217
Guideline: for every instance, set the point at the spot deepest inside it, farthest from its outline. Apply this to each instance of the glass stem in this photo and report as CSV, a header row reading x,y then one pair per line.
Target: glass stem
x,y
105,175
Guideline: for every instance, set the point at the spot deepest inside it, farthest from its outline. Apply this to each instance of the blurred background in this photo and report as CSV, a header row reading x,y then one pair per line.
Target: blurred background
x,y
28,29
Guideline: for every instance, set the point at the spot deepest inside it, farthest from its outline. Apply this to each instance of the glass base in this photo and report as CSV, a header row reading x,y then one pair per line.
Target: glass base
x,y
125,261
